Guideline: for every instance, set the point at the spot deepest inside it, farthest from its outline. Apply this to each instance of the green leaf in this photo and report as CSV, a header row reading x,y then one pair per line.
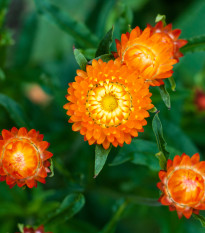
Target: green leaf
x,y
100,158
165,96
15,111
172,83
105,43
200,218
81,60
140,152
161,18
162,160
153,110
158,131
111,226
63,20
195,44
70,206
105,58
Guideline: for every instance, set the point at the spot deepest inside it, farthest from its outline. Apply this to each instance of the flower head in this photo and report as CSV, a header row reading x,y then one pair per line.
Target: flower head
x,y
23,157
169,36
182,185
40,229
108,104
145,53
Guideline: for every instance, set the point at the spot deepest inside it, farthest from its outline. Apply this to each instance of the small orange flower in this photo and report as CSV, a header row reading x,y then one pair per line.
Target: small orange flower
x,y
108,104
23,157
144,52
169,36
32,230
182,185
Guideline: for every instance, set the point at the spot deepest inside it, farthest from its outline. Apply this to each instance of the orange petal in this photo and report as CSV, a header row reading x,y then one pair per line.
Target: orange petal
x,y
187,213
195,158
42,172
22,132
162,175
31,183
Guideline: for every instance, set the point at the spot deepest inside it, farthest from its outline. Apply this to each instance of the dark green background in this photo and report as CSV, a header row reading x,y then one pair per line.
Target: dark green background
x,y
42,53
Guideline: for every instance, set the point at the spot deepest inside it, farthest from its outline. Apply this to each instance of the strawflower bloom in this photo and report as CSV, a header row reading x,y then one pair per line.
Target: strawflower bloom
x,y
40,229
145,53
108,104
169,36
23,157
182,185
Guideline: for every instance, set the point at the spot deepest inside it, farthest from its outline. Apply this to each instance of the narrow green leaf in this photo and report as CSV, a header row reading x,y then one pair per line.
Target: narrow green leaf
x,y
111,226
161,18
200,218
105,58
195,44
162,160
105,43
81,60
165,96
14,110
172,83
100,158
63,20
70,206
158,131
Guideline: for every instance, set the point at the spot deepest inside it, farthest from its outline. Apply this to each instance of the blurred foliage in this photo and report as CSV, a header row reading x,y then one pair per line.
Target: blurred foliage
x,y
36,47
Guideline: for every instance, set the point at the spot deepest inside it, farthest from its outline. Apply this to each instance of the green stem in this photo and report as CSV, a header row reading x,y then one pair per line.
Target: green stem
x,y
109,228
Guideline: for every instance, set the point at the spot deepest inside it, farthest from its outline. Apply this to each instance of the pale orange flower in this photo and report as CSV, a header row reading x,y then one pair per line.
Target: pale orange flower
x,y
182,185
108,104
169,36
145,53
23,157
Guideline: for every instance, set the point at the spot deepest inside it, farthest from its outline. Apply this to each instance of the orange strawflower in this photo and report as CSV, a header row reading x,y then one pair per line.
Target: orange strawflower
x,y
182,185
108,104
32,230
24,158
145,53
169,36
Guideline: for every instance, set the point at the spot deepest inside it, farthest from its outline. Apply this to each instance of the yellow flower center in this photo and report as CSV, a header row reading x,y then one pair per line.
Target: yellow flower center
x,y
20,158
109,104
